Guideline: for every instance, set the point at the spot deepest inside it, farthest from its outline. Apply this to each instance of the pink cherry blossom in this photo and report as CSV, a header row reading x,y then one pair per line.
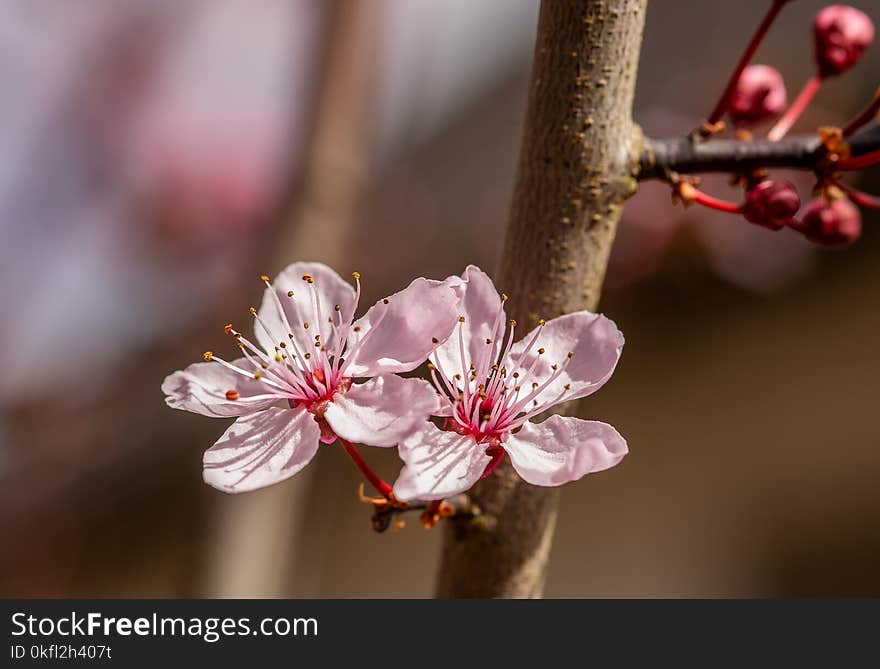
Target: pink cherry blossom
x,y
295,386
493,387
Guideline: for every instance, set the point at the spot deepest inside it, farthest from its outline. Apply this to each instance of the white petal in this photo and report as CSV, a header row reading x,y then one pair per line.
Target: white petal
x,y
479,304
331,290
439,464
563,449
383,411
596,343
398,333
201,388
262,449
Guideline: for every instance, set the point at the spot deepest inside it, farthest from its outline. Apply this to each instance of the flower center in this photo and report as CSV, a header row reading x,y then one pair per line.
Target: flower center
x,y
494,393
308,362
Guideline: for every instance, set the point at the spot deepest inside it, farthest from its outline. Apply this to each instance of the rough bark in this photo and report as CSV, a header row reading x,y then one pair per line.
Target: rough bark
x,y
573,177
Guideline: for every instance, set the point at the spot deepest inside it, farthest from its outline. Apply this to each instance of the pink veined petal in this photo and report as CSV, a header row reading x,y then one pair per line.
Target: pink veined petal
x,y
262,449
439,464
398,336
479,304
332,290
596,343
563,449
201,388
383,411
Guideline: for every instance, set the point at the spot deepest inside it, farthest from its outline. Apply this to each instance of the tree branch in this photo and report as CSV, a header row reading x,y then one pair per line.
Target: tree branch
x,y
688,155
573,177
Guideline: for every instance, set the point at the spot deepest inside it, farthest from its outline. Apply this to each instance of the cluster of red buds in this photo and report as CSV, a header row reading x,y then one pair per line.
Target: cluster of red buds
x,y
756,94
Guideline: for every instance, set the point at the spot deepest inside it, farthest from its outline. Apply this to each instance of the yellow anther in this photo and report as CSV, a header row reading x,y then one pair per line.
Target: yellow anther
x,y
571,354
264,278
253,311
258,376
289,293
503,297
431,366
308,278
208,356
308,356
338,307
541,321
540,351
277,357
512,323
356,276
461,319
227,328
306,326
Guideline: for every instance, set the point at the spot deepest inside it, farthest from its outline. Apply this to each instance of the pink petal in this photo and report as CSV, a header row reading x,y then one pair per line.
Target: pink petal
x,y
201,388
439,464
383,411
398,336
331,290
479,304
563,449
262,449
596,343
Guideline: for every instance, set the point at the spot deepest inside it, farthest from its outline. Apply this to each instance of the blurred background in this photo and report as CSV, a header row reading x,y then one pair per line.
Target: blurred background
x,y
157,157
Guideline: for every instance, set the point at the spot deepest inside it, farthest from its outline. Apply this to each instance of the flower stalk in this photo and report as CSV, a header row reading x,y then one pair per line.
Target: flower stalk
x,y
749,53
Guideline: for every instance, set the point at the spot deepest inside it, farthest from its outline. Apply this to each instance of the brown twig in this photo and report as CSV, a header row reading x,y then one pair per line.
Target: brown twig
x,y
660,157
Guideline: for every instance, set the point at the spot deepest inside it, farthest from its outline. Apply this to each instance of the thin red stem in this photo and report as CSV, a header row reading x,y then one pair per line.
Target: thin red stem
x,y
706,200
865,117
859,197
860,162
746,58
381,487
793,113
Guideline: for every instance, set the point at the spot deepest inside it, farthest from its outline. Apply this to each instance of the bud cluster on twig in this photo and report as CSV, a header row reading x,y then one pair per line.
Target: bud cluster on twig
x,y
756,94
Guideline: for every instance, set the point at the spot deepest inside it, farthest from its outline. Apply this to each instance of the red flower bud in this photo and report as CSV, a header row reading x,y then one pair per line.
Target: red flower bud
x,y
759,96
771,204
835,224
840,34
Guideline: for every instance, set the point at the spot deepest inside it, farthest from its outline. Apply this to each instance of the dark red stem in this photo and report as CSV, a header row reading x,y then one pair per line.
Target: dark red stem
x,y
381,487
746,58
860,162
867,115
859,197
793,113
702,198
